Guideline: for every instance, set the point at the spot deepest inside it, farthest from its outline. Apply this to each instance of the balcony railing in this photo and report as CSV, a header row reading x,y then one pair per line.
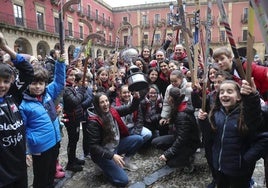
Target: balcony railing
x,y
27,24
219,40
157,24
145,24
244,19
98,20
91,16
241,39
204,21
9,19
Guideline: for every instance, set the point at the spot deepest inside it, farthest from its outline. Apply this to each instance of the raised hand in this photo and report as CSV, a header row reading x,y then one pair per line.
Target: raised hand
x,y
248,88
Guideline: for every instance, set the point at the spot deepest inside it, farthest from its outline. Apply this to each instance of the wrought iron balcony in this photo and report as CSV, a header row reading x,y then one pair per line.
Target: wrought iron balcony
x,y
9,21
145,24
244,19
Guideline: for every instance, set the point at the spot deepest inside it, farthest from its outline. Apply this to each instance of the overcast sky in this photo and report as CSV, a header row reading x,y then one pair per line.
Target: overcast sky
x,y
118,3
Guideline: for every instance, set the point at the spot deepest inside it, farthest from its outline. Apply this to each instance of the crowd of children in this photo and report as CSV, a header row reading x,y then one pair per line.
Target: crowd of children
x,y
117,123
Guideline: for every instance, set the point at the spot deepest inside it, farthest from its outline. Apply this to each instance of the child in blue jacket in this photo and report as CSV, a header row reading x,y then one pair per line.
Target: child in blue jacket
x,y
42,125
13,170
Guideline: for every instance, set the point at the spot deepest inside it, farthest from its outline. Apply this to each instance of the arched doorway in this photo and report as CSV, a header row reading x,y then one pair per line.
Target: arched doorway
x,y
23,46
105,54
42,49
99,52
71,49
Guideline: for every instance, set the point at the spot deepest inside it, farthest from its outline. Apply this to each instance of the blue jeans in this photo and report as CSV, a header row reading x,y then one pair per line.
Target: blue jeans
x,y
115,174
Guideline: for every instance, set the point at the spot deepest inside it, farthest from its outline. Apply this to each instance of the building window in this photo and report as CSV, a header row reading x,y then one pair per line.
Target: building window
x,y
244,35
70,29
170,34
144,20
181,38
110,39
97,14
57,25
156,19
157,38
79,8
245,14
222,36
125,40
88,10
18,15
103,17
81,31
40,20
124,19
145,39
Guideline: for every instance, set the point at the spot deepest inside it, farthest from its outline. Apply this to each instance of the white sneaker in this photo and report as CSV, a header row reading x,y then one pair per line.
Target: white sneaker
x,y
130,166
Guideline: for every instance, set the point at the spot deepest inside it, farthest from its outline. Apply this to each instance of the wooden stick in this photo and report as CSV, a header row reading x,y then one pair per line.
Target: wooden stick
x,y
207,43
88,54
186,38
250,41
196,38
229,33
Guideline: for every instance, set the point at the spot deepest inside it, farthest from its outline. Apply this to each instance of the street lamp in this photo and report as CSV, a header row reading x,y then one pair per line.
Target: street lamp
x,y
174,18
171,7
63,8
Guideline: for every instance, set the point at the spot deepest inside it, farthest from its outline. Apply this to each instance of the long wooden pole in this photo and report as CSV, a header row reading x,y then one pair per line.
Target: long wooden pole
x,y
206,64
196,38
229,33
250,41
186,38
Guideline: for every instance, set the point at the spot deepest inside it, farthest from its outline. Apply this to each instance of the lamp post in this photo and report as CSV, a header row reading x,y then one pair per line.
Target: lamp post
x,y
61,28
63,8
173,17
175,20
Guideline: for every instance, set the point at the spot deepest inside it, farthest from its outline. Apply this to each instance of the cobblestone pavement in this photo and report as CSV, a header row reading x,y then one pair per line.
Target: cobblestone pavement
x,y
148,162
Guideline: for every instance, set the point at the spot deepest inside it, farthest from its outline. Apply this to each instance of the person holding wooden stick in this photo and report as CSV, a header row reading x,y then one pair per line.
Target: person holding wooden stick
x,y
233,120
224,59
13,168
196,98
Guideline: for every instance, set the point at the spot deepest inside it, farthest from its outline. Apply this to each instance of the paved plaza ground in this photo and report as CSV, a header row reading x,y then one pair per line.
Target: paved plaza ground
x,y
148,162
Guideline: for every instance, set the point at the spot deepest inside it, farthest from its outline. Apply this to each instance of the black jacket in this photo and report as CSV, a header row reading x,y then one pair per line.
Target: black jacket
x,y
95,133
12,130
186,133
230,148
72,101
147,116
